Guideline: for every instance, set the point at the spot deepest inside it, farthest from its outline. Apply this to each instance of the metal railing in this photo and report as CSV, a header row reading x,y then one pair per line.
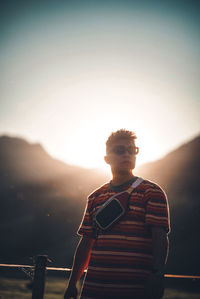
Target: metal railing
x,y
37,274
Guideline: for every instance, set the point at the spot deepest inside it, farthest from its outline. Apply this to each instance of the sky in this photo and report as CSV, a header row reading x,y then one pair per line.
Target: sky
x,y
71,72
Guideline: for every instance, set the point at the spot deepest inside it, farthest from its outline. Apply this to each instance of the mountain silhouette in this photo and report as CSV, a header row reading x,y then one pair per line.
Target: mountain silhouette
x,y
23,163
42,201
178,171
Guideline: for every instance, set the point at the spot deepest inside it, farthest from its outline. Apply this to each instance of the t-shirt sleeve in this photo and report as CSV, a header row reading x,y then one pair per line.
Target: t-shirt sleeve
x,y
86,227
157,208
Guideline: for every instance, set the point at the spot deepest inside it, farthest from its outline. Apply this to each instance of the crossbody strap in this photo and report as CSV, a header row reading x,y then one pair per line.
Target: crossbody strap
x,y
124,196
123,199
134,185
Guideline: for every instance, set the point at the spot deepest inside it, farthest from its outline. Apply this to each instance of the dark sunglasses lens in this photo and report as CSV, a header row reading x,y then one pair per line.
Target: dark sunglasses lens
x,y
119,150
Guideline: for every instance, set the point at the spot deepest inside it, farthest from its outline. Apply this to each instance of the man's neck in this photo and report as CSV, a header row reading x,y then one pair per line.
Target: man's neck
x,y
120,178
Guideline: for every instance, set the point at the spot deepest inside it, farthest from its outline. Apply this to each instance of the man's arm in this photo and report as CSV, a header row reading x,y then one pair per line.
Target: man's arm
x,y
80,263
160,246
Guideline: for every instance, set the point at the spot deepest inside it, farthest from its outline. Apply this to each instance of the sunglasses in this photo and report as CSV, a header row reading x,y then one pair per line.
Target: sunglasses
x,y
121,150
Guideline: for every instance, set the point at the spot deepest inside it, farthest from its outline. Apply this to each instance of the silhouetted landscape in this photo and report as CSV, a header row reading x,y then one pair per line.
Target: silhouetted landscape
x,y
42,201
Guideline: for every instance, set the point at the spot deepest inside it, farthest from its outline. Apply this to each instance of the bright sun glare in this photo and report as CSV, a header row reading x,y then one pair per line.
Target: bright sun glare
x,y
84,141
88,150
85,144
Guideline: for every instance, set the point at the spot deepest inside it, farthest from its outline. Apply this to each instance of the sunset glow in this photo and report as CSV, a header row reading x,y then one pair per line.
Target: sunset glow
x,y
73,74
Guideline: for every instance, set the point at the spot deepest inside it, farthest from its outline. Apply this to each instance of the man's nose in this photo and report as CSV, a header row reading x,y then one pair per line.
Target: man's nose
x,y
126,153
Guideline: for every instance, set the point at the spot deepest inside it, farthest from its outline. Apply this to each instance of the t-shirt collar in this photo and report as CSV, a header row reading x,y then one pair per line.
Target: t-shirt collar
x,y
122,186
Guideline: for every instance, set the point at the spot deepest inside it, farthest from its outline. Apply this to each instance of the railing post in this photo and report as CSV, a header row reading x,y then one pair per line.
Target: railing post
x,y
39,277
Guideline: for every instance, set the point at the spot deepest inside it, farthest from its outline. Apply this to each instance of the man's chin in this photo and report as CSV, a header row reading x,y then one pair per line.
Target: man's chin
x,y
125,170
127,166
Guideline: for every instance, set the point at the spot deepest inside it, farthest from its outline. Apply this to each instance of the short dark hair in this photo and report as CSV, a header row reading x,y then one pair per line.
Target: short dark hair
x,y
120,134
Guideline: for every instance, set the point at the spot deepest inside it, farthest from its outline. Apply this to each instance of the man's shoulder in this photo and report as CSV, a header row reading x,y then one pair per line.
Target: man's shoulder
x,y
102,189
151,186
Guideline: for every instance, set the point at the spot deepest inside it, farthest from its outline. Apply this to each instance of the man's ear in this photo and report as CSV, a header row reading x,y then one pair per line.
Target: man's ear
x,y
106,159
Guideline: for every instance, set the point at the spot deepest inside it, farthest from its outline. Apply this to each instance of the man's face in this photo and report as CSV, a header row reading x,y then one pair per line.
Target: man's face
x,y
121,156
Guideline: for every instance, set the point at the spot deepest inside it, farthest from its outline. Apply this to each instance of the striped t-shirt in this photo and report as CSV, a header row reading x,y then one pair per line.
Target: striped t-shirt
x,y
121,257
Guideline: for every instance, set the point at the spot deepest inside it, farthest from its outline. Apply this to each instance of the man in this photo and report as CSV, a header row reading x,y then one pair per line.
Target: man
x,y
127,260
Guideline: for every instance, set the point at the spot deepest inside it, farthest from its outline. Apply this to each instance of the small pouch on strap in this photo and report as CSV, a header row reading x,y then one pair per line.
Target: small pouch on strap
x,y
114,208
